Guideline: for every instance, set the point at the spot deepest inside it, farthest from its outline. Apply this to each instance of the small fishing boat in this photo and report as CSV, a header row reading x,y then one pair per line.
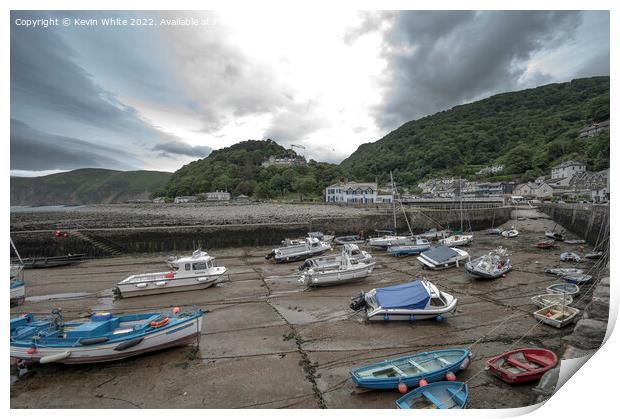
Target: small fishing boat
x,y
18,291
565,288
563,271
431,366
495,231
384,241
188,273
440,395
309,248
546,244
510,233
103,337
355,239
416,300
576,278
554,236
313,234
16,269
546,300
417,246
352,264
52,261
557,315
490,266
443,257
522,365
570,257
457,240
577,241
434,234
594,255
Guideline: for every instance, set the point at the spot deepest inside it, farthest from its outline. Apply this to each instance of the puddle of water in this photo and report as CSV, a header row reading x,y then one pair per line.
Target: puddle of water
x,y
65,296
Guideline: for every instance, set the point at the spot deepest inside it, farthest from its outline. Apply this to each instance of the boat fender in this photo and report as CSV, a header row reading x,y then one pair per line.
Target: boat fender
x,y
422,382
55,357
159,323
402,387
439,318
450,376
465,364
128,344
94,341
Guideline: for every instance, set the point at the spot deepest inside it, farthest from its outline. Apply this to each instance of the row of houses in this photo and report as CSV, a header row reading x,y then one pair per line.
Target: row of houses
x,y
358,193
454,187
207,196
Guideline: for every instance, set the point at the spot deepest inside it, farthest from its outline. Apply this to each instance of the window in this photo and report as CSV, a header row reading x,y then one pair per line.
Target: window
x,y
200,265
437,302
187,266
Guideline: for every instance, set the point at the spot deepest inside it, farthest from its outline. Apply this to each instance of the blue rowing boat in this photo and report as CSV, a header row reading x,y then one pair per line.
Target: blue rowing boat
x,y
441,395
409,370
103,338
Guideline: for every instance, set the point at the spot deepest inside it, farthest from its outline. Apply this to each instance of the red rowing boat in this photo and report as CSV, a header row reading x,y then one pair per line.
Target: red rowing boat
x,y
522,365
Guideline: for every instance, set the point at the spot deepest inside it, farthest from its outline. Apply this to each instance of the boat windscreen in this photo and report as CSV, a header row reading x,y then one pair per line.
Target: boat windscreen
x,y
412,295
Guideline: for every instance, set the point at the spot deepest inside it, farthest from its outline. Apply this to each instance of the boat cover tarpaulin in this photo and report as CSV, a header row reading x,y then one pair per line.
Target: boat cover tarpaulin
x,y
441,254
412,295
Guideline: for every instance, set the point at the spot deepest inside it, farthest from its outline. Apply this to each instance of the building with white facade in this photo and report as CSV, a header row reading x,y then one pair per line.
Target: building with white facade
x,y
567,169
357,193
594,129
217,196
184,199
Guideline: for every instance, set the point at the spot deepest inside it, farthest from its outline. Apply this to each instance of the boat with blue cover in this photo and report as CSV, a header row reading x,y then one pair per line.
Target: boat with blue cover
x,y
440,395
431,366
416,300
104,337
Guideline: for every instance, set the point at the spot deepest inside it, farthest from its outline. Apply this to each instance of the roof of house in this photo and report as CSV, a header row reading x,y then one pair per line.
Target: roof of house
x,y
569,163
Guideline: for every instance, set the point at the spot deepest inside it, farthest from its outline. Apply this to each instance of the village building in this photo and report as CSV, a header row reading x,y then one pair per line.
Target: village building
x,y
567,169
594,129
217,196
357,193
184,199
159,200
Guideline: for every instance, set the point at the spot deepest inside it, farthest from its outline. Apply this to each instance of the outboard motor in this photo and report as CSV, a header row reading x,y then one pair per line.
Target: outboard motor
x,y
358,303
270,255
304,266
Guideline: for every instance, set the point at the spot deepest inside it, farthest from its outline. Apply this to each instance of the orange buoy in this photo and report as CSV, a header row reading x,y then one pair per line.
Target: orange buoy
x,y
422,382
402,387
175,310
31,351
170,275
450,376
155,324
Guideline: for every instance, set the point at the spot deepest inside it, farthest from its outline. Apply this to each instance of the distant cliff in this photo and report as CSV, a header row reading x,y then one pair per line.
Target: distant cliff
x,y
86,186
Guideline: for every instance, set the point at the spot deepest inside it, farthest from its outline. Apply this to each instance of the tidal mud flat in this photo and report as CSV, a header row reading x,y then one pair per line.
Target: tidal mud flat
x,y
268,342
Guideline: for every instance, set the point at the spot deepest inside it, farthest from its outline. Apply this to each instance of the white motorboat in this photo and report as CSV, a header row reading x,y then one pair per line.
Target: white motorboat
x,y
443,257
457,240
513,232
490,266
557,315
188,273
310,247
416,300
314,234
386,240
351,264
434,234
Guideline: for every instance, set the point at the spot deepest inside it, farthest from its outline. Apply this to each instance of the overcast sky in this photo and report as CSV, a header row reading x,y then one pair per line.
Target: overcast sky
x,y
157,97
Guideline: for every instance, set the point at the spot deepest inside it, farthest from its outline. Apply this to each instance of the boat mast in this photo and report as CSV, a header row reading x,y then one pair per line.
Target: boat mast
x,y
461,202
393,200
16,252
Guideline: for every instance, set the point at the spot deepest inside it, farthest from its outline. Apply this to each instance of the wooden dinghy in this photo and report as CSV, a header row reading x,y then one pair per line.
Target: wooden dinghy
x,y
440,395
521,365
558,315
546,300
409,370
566,288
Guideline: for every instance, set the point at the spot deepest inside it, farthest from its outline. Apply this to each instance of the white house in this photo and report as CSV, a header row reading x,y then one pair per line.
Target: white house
x,y
567,169
159,200
357,193
217,196
184,199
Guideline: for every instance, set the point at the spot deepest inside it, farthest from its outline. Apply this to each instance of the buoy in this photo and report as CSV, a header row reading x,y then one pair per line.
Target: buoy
x,y
169,275
402,387
465,364
31,351
450,376
175,310
439,318
422,382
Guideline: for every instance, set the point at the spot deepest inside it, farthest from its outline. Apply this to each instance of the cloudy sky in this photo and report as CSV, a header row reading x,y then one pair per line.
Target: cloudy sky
x,y
157,97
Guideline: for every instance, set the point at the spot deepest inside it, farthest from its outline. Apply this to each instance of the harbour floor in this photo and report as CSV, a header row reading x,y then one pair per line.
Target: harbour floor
x,y
269,343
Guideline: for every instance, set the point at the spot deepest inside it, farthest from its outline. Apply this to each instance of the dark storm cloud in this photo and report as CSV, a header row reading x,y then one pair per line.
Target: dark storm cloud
x,y
182,149
35,150
443,58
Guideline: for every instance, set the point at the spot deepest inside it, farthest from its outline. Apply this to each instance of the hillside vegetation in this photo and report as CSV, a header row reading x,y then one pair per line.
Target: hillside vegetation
x,y
238,169
86,186
527,131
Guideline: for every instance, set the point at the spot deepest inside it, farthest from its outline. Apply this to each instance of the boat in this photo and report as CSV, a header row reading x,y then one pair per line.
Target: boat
x,y
563,271
355,239
440,395
570,257
352,264
546,244
576,278
309,248
387,239
16,269
512,232
594,255
431,366
490,266
415,247
545,300
457,240
495,231
416,300
18,291
557,315
104,337
443,257
554,236
565,288
576,241
522,365
434,234
313,234
188,273
52,261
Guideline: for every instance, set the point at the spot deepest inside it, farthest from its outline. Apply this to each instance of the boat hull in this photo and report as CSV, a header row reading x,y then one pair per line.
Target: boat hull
x,y
398,314
321,279
557,315
18,293
440,395
299,256
485,275
406,250
166,337
173,285
544,358
52,262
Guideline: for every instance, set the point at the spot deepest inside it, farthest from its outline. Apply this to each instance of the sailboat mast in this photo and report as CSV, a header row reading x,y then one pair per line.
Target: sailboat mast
x,y
393,200
461,202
